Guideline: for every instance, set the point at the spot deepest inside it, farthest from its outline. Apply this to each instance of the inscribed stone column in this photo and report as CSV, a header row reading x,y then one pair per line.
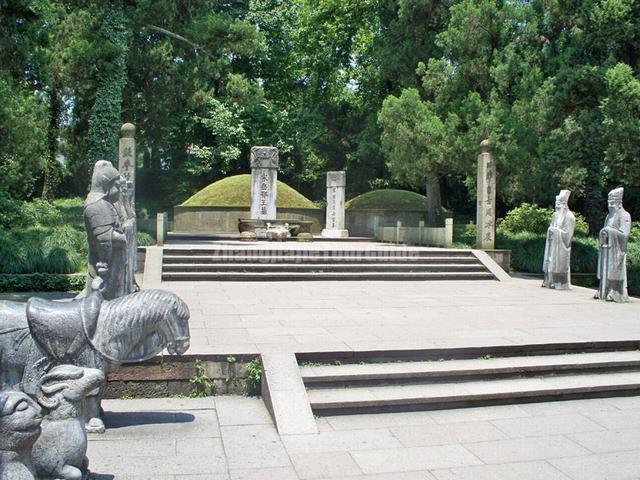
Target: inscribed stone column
x,y
127,206
264,182
127,159
486,212
336,183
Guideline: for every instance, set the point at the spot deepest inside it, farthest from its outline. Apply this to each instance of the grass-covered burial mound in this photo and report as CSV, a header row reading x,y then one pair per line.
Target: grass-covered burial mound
x,y
389,200
236,192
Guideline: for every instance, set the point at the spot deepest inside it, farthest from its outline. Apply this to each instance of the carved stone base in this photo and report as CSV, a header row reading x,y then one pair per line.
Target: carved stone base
x,y
330,233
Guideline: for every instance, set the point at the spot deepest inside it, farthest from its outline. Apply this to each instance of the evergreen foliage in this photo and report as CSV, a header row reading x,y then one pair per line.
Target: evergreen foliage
x,y
105,119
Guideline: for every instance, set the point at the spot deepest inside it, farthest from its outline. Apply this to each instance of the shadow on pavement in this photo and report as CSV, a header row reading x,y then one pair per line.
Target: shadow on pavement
x,y
131,419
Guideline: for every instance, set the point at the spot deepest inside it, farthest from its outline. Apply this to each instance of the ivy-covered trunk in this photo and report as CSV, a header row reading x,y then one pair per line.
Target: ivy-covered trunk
x,y
105,120
435,215
51,170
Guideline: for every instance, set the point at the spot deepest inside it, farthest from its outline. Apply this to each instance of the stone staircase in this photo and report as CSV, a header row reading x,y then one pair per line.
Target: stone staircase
x,y
254,264
453,381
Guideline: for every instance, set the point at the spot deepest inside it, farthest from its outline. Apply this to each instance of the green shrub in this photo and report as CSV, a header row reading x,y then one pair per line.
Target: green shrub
x,y
61,249
253,372
40,213
10,210
71,210
534,219
144,239
42,282
635,232
464,235
527,252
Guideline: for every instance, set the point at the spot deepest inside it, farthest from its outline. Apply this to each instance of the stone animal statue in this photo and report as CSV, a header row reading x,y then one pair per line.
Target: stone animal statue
x,y
89,332
60,452
20,419
278,233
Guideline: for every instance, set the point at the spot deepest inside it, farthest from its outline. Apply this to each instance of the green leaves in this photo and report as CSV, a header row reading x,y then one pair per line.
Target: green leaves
x,y
414,138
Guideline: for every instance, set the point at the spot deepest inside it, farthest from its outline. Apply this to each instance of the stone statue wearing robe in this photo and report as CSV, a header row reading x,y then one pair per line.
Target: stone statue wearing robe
x,y
110,227
612,255
557,252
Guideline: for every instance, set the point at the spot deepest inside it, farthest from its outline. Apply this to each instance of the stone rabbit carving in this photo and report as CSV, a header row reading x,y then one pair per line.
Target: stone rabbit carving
x,y
20,419
60,451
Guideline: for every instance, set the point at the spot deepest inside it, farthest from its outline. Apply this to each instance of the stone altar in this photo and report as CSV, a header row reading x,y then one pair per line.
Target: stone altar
x,y
557,253
486,207
612,253
264,182
335,224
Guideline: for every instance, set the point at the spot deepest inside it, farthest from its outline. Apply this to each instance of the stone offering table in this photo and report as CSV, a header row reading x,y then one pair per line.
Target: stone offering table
x,y
257,229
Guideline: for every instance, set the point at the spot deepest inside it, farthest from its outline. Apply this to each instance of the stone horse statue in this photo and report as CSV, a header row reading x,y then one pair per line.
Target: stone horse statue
x,y
89,332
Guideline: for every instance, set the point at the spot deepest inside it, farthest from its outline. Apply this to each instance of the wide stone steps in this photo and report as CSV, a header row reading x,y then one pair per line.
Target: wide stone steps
x,y
424,385
319,267
287,276
301,263
283,251
290,259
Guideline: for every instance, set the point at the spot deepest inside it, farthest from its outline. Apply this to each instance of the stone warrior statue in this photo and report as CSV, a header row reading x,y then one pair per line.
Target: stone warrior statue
x,y
110,223
557,252
612,256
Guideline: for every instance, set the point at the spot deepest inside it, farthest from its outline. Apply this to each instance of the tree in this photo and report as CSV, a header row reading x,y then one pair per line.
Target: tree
x,y
416,145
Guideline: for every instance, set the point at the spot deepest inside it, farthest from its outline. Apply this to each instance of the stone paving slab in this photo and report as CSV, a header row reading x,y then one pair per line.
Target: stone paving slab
x,y
253,317
483,443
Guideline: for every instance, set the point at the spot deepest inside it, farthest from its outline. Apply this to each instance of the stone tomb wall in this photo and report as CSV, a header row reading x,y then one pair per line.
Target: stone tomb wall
x,y
362,222
225,219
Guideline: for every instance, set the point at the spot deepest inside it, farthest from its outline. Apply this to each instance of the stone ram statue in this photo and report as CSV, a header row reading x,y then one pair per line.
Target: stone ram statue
x,y
60,452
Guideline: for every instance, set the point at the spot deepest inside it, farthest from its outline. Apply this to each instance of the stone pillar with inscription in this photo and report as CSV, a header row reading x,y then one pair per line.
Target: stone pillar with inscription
x,y
264,182
126,207
486,213
336,183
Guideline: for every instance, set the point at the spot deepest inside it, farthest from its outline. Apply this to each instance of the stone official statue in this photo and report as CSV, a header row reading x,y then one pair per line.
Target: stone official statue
x,y
612,256
557,252
111,230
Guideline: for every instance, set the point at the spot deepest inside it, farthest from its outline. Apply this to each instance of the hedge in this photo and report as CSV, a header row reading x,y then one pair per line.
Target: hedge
x,y
527,252
42,282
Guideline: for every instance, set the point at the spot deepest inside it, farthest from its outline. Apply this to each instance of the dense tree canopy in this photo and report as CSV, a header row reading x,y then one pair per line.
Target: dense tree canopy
x,y
397,92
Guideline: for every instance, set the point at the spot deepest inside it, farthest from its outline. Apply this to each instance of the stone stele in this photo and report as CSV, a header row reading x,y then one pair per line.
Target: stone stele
x,y
612,254
557,253
264,182
127,168
335,224
486,208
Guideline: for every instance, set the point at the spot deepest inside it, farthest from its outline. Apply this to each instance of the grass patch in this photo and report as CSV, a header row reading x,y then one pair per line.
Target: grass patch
x,y
389,200
235,191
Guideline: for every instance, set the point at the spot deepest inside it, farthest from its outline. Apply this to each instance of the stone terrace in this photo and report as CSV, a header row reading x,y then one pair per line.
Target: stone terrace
x,y
255,317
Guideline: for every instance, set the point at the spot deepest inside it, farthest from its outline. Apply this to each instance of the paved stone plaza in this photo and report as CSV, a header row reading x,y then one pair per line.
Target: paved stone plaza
x,y
233,438
254,317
